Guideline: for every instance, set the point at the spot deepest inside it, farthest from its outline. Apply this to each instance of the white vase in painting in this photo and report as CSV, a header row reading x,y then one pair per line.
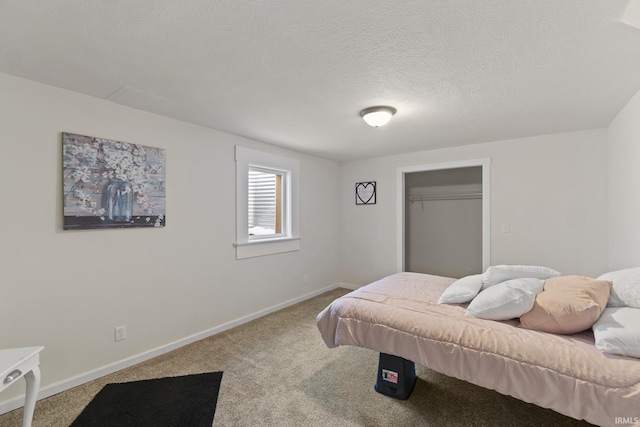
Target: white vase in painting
x,y
119,200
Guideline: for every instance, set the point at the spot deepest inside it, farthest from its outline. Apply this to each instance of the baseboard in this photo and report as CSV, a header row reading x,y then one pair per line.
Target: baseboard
x,y
50,390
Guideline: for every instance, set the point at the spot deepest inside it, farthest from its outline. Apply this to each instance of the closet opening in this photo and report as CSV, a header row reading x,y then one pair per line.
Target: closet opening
x,y
443,218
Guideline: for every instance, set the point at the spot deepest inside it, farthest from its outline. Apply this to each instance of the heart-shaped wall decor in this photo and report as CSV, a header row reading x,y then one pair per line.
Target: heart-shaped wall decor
x,y
365,193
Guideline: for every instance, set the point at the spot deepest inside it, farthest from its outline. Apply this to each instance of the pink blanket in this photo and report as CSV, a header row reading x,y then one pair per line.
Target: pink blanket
x,y
399,315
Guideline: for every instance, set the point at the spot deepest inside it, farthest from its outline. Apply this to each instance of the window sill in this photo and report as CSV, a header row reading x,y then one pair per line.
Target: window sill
x,y
256,248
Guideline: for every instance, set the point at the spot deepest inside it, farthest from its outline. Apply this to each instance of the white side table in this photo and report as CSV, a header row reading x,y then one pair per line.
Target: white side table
x,y
22,362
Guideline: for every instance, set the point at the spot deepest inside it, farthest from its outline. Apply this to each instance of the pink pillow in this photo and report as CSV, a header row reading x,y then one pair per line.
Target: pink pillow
x,y
567,305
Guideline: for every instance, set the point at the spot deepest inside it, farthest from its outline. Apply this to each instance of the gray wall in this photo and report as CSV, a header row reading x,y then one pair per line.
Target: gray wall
x,y
443,222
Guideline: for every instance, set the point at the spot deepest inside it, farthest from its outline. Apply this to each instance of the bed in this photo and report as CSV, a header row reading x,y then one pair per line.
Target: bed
x,y
399,315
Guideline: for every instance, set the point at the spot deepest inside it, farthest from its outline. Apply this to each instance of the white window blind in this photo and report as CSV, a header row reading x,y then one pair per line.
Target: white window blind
x,y
263,202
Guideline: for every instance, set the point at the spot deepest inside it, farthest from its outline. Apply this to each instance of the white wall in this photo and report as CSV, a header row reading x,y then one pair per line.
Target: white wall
x,y
551,189
67,290
624,187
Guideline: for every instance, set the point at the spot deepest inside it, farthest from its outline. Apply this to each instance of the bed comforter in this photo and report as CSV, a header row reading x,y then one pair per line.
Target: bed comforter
x,y
399,315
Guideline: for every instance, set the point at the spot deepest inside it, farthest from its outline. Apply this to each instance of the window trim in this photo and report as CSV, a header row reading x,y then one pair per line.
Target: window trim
x,y
289,240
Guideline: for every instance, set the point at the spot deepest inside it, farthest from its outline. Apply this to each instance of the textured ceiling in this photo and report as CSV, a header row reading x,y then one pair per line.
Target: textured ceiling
x,y
296,73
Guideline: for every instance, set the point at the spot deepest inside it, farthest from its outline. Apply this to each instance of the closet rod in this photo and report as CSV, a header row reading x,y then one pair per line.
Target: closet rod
x,y
451,196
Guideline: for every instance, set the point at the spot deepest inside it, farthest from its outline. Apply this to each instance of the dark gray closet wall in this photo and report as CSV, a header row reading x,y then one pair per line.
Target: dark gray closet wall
x,y
443,222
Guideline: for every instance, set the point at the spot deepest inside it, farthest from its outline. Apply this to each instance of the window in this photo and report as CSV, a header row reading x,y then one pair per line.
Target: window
x,y
266,203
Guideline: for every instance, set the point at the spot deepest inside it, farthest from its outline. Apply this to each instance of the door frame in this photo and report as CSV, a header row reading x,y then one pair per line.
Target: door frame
x,y
485,163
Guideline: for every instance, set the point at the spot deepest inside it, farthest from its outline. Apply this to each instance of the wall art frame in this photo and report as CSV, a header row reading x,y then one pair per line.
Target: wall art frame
x,y
112,184
366,193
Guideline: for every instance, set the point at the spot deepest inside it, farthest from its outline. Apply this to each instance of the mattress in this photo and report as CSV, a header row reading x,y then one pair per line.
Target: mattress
x,y
399,315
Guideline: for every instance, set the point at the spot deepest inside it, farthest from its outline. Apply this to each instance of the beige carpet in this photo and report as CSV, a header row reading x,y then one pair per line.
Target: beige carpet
x,y
278,372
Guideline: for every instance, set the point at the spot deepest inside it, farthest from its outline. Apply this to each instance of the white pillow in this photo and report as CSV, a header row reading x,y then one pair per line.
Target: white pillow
x,y
507,300
462,290
617,331
500,273
625,289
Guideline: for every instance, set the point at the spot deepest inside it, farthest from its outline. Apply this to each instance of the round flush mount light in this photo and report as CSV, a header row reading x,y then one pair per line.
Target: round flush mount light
x,y
377,116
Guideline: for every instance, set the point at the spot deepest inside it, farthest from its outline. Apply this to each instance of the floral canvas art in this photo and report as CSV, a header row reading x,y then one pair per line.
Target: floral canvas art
x,y
111,184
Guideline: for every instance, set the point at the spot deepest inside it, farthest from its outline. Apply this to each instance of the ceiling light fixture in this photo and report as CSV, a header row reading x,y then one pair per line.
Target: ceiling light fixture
x,y
377,116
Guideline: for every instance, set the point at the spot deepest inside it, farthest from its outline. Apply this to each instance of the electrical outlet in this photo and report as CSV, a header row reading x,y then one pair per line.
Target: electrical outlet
x,y
305,279
121,333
